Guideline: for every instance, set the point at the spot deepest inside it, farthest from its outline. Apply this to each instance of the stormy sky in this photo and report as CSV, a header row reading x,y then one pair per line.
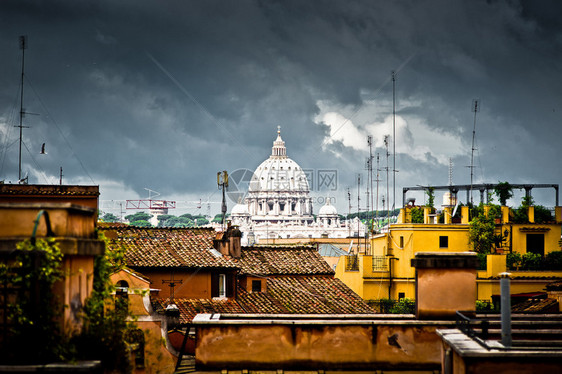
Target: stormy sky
x,y
161,95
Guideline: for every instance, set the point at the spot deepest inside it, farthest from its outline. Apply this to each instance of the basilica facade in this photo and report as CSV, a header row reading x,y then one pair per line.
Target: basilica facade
x,y
278,204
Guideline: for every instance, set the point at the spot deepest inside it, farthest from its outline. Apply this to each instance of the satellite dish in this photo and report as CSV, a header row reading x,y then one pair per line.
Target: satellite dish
x,y
456,207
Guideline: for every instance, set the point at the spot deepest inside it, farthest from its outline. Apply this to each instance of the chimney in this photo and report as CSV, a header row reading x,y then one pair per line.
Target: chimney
x,y
228,242
435,273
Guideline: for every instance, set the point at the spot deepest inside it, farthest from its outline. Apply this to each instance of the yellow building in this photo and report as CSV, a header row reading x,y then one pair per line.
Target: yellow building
x,y
386,271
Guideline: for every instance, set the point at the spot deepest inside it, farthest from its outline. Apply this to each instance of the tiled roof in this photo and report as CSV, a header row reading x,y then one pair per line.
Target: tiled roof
x,y
47,189
536,306
191,307
554,286
304,295
283,260
166,247
285,295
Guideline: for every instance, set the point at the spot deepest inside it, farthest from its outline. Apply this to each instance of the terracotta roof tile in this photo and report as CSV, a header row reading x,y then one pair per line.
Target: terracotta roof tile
x,y
304,295
283,260
166,247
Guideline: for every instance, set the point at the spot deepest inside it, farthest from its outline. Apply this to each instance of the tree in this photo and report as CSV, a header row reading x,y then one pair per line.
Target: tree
x,y
481,234
139,219
417,215
201,221
430,192
110,217
503,191
141,223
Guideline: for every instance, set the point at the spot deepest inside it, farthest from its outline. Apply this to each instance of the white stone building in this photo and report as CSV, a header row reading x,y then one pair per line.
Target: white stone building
x,y
278,204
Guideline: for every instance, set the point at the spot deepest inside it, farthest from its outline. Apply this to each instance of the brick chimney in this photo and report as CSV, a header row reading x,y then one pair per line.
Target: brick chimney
x,y
228,242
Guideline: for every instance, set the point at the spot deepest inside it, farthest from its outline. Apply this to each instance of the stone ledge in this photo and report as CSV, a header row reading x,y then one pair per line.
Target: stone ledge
x,y
68,246
445,260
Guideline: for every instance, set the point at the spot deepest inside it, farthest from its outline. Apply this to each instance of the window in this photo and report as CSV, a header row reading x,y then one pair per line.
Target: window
x,y
401,242
222,285
256,286
535,244
443,242
401,295
122,296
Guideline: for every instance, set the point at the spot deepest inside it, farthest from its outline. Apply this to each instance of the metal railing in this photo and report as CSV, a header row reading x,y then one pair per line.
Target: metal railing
x,y
467,325
352,263
380,263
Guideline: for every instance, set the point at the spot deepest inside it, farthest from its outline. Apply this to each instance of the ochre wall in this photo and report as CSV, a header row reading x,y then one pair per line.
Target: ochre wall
x,y
301,346
193,285
441,292
158,359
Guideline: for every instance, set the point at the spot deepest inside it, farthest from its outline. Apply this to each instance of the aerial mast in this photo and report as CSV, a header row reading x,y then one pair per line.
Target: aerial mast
x,y
387,187
393,140
377,200
358,212
23,47
475,109
370,181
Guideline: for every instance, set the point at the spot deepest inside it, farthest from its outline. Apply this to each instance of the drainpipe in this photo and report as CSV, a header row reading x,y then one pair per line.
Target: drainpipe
x,y
505,309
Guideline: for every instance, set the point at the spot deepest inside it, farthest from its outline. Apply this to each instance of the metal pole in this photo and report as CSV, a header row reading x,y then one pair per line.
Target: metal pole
x,y
393,140
505,308
23,46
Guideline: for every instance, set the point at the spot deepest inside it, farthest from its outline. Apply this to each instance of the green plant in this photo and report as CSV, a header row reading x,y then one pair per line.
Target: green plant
x,y
104,326
386,306
553,260
531,261
481,234
430,192
486,306
482,261
417,215
543,214
503,191
403,306
34,334
513,261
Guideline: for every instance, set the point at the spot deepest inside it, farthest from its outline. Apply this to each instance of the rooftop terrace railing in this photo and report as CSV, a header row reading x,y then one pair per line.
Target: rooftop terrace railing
x,y
380,263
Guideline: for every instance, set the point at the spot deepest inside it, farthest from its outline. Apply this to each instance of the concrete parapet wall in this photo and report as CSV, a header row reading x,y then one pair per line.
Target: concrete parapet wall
x,y
345,344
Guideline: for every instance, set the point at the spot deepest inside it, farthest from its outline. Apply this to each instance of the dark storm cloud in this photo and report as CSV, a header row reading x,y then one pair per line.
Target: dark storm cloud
x,y
165,94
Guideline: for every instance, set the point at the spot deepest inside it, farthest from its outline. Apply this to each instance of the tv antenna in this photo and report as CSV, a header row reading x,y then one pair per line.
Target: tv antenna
x,y
23,47
370,180
222,182
475,109
387,184
349,212
393,140
450,171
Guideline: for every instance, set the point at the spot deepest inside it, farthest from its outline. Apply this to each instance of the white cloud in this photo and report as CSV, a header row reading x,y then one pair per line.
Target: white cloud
x,y
413,135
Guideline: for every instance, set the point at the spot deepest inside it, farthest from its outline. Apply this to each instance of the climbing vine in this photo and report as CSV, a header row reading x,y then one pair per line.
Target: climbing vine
x,y
33,309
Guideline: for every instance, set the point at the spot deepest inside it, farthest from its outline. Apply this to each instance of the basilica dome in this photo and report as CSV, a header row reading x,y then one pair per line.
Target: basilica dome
x,y
328,209
240,210
278,190
279,172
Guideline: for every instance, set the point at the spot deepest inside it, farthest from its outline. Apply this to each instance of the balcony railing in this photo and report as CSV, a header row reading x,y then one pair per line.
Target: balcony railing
x,y
380,263
352,263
